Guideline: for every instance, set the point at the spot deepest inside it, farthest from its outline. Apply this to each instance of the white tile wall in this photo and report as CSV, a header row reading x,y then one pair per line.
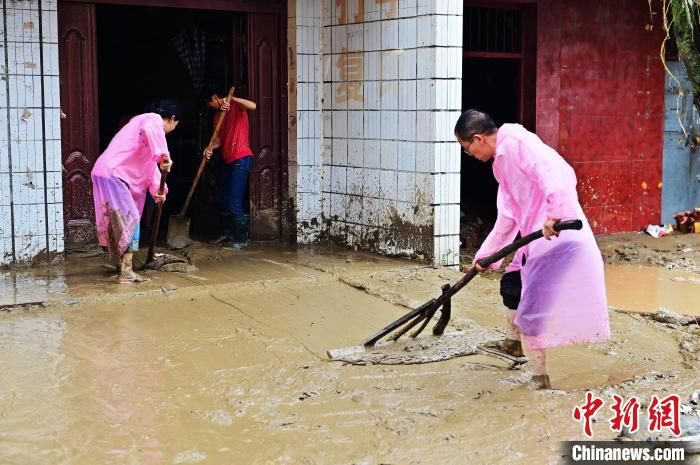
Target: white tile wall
x,y
340,152
372,95
372,36
389,92
314,91
426,62
385,146
390,124
390,34
372,158
355,38
407,64
388,184
407,126
355,124
446,251
355,180
390,64
30,196
372,123
407,32
389,154
407,156
354,216
406,186
407,95
407,8
355,152
339,179
371,182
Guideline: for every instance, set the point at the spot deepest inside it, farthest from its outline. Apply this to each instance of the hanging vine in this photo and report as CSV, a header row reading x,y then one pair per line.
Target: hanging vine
x,y
681,17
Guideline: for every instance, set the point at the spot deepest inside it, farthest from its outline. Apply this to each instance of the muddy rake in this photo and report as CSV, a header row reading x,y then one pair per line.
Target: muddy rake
x,y
423,314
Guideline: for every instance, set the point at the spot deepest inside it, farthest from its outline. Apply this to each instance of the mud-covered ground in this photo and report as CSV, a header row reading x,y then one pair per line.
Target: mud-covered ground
x,y
228,364
674,252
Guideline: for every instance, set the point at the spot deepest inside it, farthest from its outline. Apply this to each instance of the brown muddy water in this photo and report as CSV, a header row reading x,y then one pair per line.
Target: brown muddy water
x,y
228,366
646,289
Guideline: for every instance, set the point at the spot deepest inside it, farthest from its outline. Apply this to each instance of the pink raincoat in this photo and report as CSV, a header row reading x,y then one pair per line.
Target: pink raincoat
x,y
563,297
121,176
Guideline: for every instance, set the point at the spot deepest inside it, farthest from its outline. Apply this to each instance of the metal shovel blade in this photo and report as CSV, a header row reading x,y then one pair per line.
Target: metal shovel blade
x,y
178,232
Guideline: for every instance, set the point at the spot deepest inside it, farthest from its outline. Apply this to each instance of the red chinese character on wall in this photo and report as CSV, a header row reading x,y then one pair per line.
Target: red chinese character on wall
x,y
625,415
587,411
665,414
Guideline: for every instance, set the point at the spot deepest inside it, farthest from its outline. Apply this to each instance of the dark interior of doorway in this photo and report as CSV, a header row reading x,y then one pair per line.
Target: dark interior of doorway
x,y
491,82
492,86
139,62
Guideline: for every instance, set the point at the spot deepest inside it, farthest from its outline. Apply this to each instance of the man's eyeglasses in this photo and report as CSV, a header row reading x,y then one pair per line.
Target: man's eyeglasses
x,y
469,145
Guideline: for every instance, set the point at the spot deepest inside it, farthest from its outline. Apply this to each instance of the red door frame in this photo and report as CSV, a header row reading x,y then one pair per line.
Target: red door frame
x,y
268,7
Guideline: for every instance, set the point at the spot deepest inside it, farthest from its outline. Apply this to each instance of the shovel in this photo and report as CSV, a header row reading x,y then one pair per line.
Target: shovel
x,y
156,223
154,261
425,312
179,225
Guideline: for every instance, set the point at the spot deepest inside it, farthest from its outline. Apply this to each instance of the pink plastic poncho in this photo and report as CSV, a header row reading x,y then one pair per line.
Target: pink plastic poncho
x,y
563,297
121,176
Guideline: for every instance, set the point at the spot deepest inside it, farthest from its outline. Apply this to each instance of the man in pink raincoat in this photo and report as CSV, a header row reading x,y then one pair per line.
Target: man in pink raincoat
x,y
563,297
121,176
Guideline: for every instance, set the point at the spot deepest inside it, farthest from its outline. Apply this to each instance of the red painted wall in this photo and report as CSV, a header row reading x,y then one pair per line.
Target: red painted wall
x,y
600,102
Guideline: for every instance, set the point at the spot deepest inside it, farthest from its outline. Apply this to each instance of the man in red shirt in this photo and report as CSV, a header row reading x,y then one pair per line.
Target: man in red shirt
x,y
237,158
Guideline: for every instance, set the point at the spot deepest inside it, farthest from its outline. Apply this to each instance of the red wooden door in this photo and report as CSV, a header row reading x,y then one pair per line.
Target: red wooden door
x,y
79,131
266,81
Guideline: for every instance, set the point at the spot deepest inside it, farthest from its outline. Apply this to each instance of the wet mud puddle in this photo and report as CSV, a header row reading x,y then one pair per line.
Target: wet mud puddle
x,y
648,289
236,372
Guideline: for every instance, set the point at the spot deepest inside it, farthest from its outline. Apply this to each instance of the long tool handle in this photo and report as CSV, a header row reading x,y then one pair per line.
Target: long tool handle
x,y
156,225
432,305
503,253
222,115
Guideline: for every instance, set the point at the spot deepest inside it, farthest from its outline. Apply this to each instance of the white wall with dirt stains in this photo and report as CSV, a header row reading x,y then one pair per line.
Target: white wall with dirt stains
x,y
390,92
307,128
31,198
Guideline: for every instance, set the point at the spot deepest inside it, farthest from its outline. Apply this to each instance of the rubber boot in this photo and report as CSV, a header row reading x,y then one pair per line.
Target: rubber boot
x,y
226,227
240,232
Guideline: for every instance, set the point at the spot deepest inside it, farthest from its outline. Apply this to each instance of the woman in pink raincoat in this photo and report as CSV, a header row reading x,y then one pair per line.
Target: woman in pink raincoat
x,y
129,167
563,297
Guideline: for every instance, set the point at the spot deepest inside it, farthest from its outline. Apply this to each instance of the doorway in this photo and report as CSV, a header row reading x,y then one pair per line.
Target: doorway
x,y
179,54
115,59
498,78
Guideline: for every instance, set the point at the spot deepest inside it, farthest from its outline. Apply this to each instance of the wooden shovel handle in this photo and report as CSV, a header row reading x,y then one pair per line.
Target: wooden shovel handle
x,y
156,224
222,115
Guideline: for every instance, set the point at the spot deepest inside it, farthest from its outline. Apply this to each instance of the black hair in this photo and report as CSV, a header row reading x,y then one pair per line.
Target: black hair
x,y
473,122
167,108
222,91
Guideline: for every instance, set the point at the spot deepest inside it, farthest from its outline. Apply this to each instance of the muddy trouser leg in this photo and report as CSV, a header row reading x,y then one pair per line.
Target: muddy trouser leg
x,y
239,183
512,331
511,286
540,376
125,261
538,361
126,267
128,257
223,193
135,239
